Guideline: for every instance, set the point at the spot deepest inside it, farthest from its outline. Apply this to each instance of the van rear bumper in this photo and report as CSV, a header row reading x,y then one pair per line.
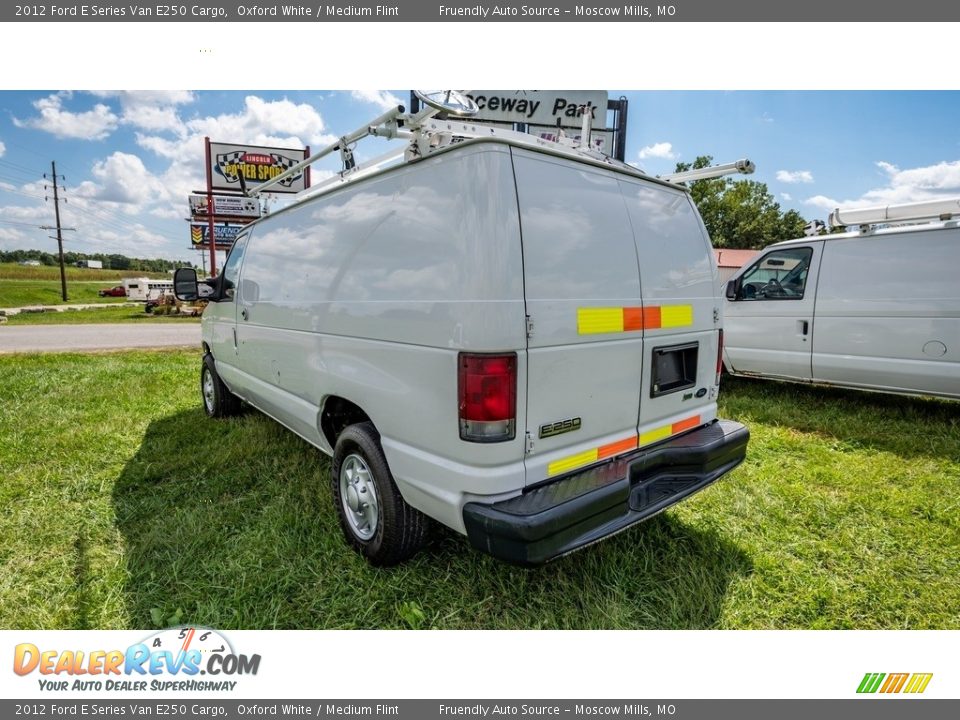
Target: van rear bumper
x,y
579,509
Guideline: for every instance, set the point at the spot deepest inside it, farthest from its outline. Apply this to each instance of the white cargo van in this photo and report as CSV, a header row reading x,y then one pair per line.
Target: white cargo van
x,y
516,338
875,308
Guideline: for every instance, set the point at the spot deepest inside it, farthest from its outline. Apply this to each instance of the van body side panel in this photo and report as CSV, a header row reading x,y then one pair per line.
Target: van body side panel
x,y
772,336
888,313
580,262
678,275
369,293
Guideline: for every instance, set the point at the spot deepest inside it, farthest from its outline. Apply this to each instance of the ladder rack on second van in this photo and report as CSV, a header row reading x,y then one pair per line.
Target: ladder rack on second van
x,y
930,210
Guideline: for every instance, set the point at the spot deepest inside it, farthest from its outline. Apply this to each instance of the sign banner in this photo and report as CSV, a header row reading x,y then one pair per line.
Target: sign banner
x,y
541,107
224,235
257,165
225,206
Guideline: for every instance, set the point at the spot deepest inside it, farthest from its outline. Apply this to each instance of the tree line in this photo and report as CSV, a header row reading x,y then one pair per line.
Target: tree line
x,y
110,261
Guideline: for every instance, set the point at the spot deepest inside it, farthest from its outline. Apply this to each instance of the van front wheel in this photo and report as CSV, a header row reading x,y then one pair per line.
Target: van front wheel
x,y
374,517
218,401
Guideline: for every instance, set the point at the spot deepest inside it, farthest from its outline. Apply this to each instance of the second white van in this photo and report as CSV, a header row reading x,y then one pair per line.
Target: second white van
x,y
877,308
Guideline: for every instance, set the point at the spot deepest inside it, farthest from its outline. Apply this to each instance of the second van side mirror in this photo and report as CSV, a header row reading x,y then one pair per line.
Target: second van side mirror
x,y
185,284
733,289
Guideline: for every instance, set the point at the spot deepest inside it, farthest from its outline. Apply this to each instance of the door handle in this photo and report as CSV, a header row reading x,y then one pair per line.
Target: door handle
x,y
245,314
804,326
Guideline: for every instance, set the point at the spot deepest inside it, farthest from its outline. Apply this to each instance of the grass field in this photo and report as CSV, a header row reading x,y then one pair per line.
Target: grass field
x,y
15,271
18,293
125,313
123,506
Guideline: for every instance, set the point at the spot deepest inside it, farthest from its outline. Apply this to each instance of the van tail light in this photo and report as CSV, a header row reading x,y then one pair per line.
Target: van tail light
x,y
487,393
719,355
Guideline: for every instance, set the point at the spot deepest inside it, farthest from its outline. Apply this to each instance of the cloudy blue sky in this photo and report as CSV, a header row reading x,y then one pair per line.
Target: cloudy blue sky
x,y
131,158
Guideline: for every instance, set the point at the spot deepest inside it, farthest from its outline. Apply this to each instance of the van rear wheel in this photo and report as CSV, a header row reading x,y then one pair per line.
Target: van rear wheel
x,y
374,517
218,401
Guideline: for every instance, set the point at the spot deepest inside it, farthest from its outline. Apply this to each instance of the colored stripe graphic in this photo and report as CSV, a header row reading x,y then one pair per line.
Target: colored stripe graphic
x,y
870,682
894,683
918,683
599,320
572,462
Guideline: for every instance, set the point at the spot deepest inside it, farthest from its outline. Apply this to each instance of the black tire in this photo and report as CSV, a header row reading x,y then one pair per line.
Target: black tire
x,y
219,402
400,529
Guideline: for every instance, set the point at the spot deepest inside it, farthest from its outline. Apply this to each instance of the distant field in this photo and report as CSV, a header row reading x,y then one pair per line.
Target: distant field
x,y
17,293
14,271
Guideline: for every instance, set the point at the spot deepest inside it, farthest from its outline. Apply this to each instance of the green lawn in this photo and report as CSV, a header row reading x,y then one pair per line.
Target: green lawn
x,y
125,313
123,506
18,293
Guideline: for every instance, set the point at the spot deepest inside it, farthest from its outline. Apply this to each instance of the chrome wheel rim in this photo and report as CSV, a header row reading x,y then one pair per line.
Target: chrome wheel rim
x,y
207,387
358,496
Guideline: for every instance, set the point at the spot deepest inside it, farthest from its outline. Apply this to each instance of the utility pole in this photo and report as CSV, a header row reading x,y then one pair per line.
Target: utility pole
x,y
56,210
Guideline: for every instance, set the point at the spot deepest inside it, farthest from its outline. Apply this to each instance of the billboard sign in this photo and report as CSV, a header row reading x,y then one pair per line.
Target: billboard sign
x,y
257,165
224,234
225,206
541,107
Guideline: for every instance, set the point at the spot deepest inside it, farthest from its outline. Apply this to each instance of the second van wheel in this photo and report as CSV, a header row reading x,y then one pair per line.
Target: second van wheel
x,y
374,517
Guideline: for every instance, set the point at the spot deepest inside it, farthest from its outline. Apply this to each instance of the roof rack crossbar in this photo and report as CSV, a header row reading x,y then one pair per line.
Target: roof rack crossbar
x,y
942,209
390,116
743,166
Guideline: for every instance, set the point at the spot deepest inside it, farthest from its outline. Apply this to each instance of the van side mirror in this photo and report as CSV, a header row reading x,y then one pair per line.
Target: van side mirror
x,y
733,289
185,284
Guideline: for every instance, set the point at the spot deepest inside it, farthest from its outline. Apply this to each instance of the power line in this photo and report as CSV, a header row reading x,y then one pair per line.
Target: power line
x,y
33,226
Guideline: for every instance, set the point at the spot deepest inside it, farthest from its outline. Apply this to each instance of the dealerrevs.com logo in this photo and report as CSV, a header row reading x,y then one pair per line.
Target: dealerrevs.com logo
x,y
171,660
891,683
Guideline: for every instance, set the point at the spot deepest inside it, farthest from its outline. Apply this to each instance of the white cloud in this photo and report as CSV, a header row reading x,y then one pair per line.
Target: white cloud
x,y
382,98
794,176
123,178
902,186
153,110
94,124
786,196
3,149
658,150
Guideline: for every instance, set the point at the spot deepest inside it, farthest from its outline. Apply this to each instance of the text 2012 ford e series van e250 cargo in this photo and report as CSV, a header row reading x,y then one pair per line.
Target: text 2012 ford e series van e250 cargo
x,y
513,337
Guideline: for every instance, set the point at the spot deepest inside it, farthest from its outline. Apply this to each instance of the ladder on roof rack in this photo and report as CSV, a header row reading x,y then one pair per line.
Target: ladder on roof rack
x,y
428,133
907,212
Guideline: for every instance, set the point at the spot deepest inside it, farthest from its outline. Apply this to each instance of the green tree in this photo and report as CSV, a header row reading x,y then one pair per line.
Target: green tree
x,y
741,213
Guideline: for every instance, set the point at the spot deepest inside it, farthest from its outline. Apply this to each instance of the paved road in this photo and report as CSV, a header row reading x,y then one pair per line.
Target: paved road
x,y
116,336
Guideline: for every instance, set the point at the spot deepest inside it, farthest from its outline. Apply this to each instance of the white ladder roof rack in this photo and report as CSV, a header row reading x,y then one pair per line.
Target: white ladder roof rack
x,y
428,133
944,209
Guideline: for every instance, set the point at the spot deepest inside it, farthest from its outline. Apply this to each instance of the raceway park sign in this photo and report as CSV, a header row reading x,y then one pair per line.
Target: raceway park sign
x,y
223,234
257,165
541,107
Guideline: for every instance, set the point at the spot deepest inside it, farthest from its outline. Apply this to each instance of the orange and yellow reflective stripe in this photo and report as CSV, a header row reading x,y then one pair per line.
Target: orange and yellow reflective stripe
x,y
588,457
596,320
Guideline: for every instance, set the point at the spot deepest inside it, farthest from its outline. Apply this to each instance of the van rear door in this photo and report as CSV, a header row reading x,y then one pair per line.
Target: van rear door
x,y
769,325
681,313
582,289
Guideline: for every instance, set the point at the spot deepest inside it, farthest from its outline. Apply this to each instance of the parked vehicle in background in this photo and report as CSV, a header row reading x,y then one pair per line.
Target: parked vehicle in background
x,y
877,308
143,289
93,264
536,396
115,291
